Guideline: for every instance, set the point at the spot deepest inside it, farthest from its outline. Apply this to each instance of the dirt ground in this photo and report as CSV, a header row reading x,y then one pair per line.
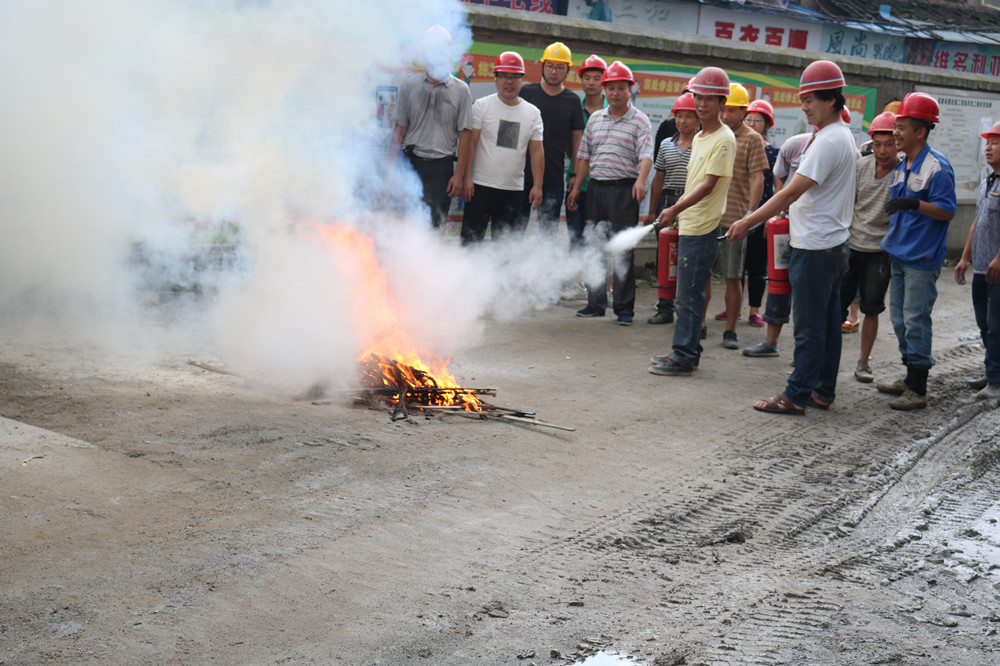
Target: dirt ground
x,y
184,516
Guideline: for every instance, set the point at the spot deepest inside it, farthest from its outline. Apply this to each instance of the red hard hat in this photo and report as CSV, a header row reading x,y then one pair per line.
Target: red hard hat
x,y
821,75
509,61
883,122
918,105
683,103
764,108
845,115
617,71
710,81
993,131
592,62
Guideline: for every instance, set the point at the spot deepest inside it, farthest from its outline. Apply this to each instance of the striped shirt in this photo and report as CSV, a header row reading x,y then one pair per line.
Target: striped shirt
x,y
615,148
673,162
750,158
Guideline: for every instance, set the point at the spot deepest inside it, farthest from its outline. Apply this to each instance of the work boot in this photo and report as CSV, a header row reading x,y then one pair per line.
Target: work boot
x,y
989,392
897,387
909,400
662,318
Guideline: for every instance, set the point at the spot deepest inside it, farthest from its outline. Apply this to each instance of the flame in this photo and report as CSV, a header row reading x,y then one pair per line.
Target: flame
x,y
390,358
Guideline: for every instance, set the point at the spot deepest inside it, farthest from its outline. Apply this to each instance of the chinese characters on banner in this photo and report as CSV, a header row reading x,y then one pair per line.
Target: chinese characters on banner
x,y
542,6
838,40
759,28
972,58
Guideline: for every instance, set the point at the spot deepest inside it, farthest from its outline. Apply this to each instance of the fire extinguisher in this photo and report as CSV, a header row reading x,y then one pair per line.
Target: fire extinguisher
x,y
666,263
778,250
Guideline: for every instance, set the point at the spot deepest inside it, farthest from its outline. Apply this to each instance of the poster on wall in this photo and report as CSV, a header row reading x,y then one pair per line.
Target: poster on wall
x,y
963,117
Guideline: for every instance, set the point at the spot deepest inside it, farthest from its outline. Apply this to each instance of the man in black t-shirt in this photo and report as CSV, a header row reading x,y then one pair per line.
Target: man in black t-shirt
x,y
562,119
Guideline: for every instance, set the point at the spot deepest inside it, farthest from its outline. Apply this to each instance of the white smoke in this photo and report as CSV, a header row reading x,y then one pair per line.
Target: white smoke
x,y
171,147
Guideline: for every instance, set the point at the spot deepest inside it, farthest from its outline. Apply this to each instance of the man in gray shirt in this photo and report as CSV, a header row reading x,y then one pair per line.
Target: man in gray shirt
x,y
433,125
869,266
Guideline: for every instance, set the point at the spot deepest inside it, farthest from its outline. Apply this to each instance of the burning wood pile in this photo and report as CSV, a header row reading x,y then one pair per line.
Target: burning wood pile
x,y
403,388
393,372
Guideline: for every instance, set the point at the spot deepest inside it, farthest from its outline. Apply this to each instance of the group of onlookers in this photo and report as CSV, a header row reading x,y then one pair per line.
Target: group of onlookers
x,y
856,227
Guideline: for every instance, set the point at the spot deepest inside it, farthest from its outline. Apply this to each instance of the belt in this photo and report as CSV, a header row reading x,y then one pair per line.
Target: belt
x,y
413,156
673,193
613,183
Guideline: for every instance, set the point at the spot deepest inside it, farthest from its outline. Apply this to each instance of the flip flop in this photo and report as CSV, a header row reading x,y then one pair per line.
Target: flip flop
x,y
818,403
779,404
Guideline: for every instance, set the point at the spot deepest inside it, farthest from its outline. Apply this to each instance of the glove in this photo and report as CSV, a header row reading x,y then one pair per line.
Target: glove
x,y
893,206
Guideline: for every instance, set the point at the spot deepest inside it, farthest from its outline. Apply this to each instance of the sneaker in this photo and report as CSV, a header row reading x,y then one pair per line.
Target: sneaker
x,y
863,373
756,320
704,333
729,340
722,316
662,318
988,392
976,383
657,360
590,311
909,400
624,320
670,368
760,350
898,387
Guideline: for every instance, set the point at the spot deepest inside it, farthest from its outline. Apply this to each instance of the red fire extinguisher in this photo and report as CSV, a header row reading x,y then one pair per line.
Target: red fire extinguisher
x,y
666,263
778,250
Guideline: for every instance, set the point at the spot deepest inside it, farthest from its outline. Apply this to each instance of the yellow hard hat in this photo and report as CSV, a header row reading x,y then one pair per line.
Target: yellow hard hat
x,y
557,52
738,95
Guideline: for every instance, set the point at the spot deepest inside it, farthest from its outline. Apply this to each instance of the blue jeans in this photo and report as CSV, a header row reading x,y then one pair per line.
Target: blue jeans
x,y
912,293
986,303
815,278
548,210
695,258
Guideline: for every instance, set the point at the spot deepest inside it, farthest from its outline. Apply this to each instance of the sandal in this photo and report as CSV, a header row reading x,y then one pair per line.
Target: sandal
x,y
779,404
818,403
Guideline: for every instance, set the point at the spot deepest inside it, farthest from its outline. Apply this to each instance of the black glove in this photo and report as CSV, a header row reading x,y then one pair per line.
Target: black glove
x,y
893,206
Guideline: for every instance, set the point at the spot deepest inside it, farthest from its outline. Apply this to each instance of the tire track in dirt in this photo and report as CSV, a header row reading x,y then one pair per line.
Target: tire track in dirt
x,y
799,505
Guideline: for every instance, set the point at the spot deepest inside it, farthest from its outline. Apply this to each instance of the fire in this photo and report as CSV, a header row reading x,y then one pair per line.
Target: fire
x,y
390,358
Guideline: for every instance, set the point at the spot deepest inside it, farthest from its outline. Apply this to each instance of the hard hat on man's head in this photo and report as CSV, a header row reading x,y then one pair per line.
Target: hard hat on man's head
x,y
738,95
509,61
683,103
592,62
821,75
710,81
436,33
919,105
993,131
617,71
557,52
883,122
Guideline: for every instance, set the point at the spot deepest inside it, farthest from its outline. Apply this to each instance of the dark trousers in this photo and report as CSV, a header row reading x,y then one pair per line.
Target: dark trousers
x,y
868,272
548,210
986,303
610,202
755,267
434,176
488,204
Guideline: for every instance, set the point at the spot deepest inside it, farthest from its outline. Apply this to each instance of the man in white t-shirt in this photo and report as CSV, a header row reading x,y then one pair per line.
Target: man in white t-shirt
x,y
820,202
505,128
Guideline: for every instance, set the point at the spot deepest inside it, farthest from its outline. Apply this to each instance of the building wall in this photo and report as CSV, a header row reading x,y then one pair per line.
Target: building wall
x,y
891,80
